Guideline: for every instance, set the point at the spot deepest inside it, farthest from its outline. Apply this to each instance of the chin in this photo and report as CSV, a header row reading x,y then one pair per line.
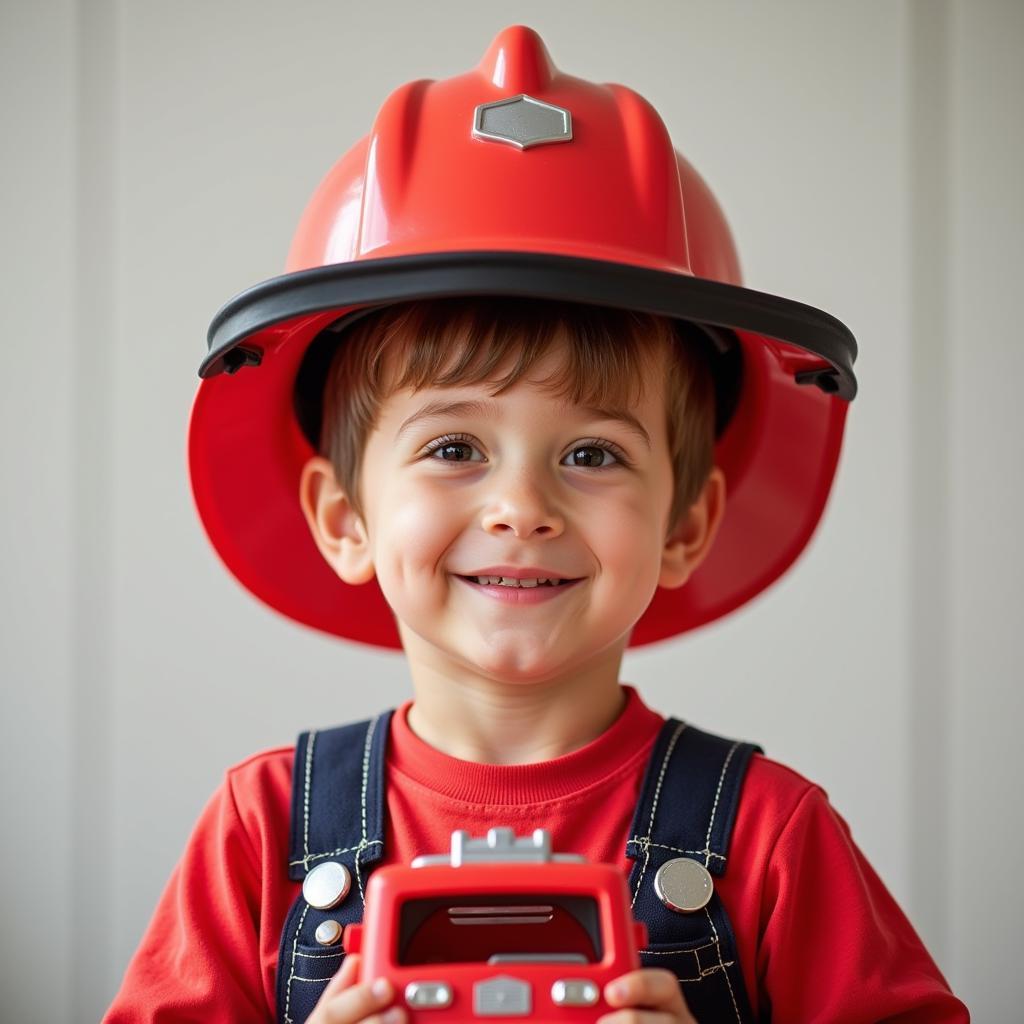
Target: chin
x,y
515,663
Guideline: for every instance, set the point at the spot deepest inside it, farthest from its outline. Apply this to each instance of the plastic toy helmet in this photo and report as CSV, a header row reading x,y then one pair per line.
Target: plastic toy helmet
x,y
497,182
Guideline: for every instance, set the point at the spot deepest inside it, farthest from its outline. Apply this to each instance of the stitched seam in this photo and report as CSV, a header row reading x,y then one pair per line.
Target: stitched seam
x,y
645,842
321,956
702,972
558,800
662,846
359,881
661,776
363,844
366,775
517,809
291,973
728,980
334,853
680,952
305,797
718,793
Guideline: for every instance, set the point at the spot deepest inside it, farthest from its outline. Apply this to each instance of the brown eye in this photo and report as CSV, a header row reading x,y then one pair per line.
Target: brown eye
x,y
590,457
456,452
454,449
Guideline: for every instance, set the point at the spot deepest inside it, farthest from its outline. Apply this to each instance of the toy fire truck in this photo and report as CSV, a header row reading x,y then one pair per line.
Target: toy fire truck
x,y
502,927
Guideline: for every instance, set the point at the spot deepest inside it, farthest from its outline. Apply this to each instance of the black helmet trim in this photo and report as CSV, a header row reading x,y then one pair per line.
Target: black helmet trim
x,y
537,275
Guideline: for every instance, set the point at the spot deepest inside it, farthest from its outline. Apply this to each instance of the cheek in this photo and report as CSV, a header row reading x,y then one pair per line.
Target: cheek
x,y
610,518
634,537
417,524
628,535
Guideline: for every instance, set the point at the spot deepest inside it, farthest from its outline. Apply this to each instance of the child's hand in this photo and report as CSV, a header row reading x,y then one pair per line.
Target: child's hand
x,y
652,991
345,1002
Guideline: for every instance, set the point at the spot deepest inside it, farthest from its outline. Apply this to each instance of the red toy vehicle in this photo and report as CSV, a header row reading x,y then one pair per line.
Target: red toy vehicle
x,y
501,928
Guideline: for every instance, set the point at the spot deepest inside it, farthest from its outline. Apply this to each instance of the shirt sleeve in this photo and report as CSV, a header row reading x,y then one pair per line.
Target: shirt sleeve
x,y
835,945
199,957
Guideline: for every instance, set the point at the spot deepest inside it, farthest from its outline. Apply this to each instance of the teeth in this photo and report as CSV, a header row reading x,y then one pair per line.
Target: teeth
x,y
508,581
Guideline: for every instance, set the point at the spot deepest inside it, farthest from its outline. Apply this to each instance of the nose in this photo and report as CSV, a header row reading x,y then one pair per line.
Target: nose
x,y
522,507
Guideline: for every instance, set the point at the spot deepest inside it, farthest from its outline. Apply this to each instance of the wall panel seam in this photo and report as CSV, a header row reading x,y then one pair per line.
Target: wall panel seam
x,y
928,203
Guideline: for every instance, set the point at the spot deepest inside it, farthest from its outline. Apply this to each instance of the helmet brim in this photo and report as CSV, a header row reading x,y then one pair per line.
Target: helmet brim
x,y
540,276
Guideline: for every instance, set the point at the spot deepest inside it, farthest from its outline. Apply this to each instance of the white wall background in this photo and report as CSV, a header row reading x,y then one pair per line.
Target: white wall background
x,y
156,159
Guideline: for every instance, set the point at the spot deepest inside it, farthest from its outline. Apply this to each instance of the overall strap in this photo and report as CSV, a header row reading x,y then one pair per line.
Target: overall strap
x,y
687,808
337,818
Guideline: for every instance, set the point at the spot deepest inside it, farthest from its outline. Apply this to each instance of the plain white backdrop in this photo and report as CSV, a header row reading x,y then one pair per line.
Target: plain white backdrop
x,y
156,160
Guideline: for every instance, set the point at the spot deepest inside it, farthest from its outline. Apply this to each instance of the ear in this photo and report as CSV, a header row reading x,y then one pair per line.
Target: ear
x,y
337,528
689,542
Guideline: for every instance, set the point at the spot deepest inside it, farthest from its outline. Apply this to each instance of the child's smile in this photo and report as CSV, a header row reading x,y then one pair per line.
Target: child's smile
x,y
535,586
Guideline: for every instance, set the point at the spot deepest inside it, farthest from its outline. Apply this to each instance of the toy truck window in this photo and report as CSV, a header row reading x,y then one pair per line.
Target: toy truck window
x,y
510,927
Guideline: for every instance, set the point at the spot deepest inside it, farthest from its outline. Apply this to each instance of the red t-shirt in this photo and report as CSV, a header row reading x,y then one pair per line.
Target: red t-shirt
x,y
819,936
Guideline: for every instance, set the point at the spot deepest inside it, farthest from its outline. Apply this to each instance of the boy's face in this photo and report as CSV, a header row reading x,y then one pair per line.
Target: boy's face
x,y
458,484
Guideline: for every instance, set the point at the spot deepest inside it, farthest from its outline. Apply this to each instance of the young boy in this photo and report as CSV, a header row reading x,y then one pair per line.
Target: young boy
x,y
508,378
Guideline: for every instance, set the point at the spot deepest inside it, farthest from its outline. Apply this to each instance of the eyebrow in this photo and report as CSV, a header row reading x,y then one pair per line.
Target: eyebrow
x,y
432,410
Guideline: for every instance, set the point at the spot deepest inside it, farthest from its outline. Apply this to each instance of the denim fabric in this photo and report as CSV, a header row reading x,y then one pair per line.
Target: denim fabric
x,y
337,814
687,807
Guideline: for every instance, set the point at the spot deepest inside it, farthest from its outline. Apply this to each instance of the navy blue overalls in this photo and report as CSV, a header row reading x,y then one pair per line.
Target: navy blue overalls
x,y
687,808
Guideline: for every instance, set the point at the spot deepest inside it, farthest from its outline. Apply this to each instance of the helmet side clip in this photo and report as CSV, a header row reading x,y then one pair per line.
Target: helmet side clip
x,y
239,356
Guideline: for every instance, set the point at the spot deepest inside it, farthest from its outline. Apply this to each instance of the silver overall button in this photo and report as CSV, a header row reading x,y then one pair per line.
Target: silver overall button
x,y
683,885
328,933
326,885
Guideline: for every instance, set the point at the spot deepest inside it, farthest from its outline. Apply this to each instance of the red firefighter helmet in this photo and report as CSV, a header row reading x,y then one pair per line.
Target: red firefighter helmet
x,y
513,179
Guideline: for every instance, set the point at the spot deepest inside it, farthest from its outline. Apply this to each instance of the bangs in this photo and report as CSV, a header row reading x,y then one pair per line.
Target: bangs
x,y
498,342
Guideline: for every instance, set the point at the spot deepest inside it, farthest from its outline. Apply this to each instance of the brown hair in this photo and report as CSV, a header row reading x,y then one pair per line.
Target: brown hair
x,y
447,342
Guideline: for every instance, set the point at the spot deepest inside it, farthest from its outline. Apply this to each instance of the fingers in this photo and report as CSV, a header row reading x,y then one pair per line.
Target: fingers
x,y
344,977
656,991
346,1001
650,988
